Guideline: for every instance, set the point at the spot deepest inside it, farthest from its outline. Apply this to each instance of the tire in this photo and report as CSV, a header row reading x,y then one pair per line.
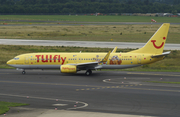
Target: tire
x,y
88,72
23,72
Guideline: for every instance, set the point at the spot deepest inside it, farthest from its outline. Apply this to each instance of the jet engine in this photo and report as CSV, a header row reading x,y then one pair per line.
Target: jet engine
x,y
68,69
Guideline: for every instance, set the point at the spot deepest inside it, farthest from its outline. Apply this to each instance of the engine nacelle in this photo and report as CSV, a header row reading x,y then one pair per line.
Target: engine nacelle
x,y
68,69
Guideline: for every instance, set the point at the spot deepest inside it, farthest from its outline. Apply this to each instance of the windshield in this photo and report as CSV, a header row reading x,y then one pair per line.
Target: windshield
x,y
16,58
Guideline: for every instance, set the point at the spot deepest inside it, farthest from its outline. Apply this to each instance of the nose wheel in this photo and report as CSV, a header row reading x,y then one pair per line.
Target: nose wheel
x,y
23,72
88,72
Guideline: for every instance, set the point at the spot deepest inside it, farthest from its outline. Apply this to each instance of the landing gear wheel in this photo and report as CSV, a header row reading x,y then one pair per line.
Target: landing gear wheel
x,y
88,72
23,72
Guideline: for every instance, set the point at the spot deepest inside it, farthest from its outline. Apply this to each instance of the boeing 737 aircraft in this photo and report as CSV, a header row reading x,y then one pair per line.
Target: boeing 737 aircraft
x,y
73,62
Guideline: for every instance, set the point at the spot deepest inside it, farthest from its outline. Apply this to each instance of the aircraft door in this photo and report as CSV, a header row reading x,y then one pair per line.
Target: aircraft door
x,y
26,60
139,59
75,58
79,59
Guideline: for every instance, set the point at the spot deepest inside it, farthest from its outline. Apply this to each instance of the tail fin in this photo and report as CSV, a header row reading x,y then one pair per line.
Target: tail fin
x,y
156,43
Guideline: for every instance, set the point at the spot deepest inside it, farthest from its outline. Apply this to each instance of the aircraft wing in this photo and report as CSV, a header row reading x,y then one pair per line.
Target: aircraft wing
x,y
89,63
163,54
92,65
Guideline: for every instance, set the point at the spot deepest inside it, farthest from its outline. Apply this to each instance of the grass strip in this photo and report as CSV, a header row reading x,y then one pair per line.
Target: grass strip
x,y
163,82
83,18
108,33
4,106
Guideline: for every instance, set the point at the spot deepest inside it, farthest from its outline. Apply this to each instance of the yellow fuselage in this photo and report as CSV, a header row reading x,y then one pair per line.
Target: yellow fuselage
x,y
55,60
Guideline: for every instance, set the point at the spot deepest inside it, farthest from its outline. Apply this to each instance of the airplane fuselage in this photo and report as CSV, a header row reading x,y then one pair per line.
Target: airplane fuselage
x,y
55,60
151,52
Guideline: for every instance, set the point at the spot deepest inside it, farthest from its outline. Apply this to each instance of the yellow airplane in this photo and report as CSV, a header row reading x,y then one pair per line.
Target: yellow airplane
x,y
73,62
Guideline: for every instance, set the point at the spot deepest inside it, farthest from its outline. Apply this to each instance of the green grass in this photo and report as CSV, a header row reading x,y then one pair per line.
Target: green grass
x,y
25,23
4,106
164,82
119,33
169,64
91,18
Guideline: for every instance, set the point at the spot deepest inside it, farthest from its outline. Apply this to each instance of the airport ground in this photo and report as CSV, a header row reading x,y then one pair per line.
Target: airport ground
x,y
105,93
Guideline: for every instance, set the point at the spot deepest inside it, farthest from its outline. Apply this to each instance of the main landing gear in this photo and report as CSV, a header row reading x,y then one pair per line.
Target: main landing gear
x,y
88,72
23,72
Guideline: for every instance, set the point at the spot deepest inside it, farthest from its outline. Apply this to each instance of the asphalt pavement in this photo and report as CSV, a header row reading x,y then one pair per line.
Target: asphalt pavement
x,y
104,93
82,43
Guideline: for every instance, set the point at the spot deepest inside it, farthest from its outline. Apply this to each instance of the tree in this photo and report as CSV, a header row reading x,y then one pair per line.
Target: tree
x,y
146,2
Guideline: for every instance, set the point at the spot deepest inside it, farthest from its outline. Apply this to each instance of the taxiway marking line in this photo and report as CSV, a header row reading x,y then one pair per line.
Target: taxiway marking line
x,y
130,87
153,74
152,89
49,84
4,73
107,87
85,104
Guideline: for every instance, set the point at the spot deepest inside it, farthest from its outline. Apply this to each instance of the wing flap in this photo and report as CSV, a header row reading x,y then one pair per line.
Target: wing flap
x,y
88,63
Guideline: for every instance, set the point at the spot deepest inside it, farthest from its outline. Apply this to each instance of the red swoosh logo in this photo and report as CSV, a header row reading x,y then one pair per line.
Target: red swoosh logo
x,y
158,47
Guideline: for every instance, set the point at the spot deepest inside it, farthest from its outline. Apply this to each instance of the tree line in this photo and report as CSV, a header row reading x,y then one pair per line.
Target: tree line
x,y
89,6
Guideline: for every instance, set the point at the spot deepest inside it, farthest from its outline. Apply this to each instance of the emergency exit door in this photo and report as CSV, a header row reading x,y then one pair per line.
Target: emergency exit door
x,y
139,59
26,59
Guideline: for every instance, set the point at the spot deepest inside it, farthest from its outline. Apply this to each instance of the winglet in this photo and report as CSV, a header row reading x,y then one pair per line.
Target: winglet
x,y
114,50
106,57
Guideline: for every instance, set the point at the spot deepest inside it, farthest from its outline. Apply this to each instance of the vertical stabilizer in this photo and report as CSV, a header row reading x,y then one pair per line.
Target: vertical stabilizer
x,y
156,43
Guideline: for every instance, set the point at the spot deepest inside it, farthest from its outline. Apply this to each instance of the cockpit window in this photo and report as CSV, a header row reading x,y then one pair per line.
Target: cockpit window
x,y
16,58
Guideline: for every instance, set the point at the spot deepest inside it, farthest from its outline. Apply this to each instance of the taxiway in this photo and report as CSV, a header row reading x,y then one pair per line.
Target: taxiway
x,y
111,92
81,44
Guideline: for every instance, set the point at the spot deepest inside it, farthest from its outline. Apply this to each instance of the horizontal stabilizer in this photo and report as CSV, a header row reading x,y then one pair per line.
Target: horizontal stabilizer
x,y
163,54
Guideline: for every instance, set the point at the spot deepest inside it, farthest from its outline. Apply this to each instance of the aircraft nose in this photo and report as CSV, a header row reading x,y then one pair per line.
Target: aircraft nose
x,y
10,62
